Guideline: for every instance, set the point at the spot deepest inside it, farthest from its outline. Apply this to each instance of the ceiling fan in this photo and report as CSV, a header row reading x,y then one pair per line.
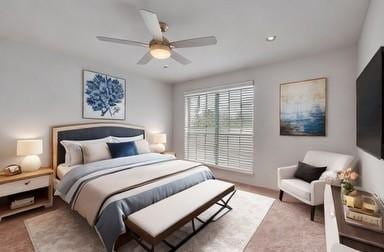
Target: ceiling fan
x,y
159,46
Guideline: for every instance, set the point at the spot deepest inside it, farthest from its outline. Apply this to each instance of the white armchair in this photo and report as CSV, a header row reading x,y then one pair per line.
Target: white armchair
x,y
311,193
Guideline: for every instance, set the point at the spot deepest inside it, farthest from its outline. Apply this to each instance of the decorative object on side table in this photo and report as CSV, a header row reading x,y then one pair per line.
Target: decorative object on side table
x,y
366,214
11,170
339,230
25,191
103,96
360,208
158,140
348,193
30,149
303,108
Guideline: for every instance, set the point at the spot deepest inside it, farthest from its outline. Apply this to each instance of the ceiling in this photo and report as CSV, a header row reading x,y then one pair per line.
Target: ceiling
x,y
302,27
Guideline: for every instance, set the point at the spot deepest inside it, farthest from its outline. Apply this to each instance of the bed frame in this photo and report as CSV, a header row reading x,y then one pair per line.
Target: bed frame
x,y
88,131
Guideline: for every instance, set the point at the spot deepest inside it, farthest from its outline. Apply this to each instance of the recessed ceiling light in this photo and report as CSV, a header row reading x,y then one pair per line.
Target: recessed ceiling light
x,y
270,38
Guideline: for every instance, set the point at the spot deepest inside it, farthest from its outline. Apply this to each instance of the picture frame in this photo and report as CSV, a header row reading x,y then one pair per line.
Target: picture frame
x,y
104,96
303,108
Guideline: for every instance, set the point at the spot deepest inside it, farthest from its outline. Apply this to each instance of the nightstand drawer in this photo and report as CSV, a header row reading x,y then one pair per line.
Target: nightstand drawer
x,y
24,185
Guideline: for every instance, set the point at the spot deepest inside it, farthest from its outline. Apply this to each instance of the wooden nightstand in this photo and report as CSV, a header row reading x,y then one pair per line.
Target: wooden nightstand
x,y
38,184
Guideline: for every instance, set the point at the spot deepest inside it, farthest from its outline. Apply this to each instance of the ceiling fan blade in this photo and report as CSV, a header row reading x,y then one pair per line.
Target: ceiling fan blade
x,y
195,42
179,58
122,41
145,59
152,23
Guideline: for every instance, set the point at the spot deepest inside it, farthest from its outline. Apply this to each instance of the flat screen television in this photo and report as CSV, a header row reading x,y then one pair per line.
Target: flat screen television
x,y
369,93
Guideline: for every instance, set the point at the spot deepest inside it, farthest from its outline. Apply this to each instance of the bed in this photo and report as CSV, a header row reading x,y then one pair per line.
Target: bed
x,y
106,192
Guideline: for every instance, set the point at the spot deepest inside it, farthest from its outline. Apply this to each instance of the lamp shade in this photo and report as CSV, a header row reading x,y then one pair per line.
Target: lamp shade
x,y
29,147
160,51
159,138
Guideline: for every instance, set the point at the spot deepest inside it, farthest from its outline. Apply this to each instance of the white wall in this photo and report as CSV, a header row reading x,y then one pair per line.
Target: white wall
x,y
271,149
41,89
372,37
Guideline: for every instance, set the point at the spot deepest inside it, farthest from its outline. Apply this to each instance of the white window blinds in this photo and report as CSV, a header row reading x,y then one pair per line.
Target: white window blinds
x,y
219,127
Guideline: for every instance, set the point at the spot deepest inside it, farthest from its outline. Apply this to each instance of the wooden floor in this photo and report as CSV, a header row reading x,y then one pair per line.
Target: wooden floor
x,y
14,236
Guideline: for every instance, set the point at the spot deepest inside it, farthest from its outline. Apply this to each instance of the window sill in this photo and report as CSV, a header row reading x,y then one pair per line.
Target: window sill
x,y
236,170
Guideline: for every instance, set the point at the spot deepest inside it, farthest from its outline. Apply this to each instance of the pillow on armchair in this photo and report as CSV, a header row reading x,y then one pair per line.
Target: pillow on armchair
x,y
330,177
308,173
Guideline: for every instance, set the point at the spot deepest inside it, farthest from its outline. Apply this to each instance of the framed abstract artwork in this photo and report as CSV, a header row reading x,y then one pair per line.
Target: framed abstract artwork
x,y
303,108
103,96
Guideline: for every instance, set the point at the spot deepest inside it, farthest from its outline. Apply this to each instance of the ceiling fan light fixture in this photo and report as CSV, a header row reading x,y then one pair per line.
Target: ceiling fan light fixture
x,y
160,47
159,51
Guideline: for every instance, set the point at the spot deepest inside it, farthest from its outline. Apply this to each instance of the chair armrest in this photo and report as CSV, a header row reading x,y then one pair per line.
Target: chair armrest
x,y
286,172
317,192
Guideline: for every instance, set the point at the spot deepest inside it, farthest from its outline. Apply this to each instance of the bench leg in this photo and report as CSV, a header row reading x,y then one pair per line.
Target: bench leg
x,y
229,208
138,240
169,245
224,204
200,220
193,225
205,223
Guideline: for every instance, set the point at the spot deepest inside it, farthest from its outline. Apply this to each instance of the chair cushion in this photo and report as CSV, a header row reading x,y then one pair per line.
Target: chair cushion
x,y
307,172
297,187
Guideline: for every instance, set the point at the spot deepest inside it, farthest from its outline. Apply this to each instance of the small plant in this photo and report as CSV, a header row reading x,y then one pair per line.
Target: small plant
x,y
347,177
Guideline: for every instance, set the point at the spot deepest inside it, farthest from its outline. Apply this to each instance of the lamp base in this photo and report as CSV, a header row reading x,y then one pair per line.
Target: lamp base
x,y
158,148
30,163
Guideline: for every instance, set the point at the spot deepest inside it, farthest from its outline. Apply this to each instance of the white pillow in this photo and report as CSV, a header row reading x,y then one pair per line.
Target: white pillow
x,y
73,152
93,152
127,139
142,146
330,177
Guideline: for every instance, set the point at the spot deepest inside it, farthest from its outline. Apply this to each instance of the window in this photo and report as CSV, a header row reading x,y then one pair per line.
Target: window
x,y
219,127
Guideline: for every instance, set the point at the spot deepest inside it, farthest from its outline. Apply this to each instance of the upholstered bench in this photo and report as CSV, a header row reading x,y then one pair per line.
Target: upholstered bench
x,y
156,222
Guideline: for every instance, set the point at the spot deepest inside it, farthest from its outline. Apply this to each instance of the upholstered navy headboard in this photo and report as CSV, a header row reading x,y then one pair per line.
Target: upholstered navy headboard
x,y
88,132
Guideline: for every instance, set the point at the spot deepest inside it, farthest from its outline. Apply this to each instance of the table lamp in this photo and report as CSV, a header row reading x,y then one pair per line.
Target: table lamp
x,y
158,141
30,149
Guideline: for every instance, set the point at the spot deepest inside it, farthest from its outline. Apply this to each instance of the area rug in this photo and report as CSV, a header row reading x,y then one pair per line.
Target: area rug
x,y
64,230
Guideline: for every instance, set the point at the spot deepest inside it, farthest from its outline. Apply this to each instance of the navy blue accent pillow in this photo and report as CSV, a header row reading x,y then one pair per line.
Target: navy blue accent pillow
x,y
124,149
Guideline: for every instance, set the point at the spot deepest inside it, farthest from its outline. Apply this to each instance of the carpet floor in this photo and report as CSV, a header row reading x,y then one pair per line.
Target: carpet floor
x,y
286,227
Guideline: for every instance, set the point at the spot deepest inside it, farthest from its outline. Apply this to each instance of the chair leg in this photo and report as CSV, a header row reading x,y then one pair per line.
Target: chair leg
x,y
313,208
281,195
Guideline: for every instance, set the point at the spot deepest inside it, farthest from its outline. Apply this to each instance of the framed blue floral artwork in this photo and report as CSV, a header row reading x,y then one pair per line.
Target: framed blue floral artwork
x,y
103,96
